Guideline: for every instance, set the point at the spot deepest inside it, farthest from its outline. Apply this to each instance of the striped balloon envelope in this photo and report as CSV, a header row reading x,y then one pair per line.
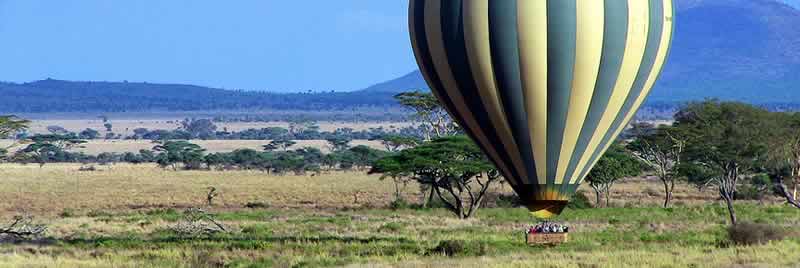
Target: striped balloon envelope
x,y
543,86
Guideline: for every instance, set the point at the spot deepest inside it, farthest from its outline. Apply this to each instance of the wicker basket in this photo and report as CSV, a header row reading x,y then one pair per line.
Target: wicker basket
x,y
547,239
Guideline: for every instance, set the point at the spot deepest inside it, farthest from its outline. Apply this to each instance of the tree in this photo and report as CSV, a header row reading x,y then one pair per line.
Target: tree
x,y
430,112
57,130
109,127
452,166
9,127
299,124
172,153
282,144
365,156
89,134
44,148
785,151
199,128
660,149
338,143
395,143
725,141
139,133
615,164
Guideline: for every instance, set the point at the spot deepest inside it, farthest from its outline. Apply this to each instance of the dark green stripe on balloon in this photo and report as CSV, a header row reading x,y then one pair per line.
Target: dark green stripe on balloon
x,y
561,45
427,60
505,59
458,60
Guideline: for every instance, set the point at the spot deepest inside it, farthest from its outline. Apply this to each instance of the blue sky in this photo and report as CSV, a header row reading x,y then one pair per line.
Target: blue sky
x,y
275,45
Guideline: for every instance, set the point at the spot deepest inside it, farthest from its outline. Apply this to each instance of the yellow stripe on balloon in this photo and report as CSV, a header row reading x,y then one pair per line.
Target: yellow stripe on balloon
x,y
666,37
588,52
638,25
532,25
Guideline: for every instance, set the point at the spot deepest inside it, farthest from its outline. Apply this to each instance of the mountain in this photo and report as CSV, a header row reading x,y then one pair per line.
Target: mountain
x,y
410,81
745,50
68,96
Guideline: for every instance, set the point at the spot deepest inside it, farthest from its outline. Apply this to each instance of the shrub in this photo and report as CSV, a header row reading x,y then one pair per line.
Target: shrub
x,y
508,201
256,205
754,233
400,203
391,227
98,213
579,201
67,213
452,248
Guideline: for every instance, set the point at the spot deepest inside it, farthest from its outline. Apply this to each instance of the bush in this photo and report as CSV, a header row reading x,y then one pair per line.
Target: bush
x,y
400,203
755,188
256,205
67,213
508,201
754,233
391,227
452,248
579,201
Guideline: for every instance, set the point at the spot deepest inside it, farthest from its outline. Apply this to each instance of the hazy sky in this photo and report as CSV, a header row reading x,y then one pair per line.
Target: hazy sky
x,y
276,45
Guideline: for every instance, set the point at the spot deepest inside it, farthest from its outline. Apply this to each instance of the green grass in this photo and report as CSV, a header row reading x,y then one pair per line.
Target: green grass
x,y
301,238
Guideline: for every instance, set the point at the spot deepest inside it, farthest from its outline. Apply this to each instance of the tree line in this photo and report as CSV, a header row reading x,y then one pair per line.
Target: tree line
x,y
206,129
740,150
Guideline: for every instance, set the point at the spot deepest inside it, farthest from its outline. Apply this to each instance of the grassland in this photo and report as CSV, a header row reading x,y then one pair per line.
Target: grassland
x,y
120,216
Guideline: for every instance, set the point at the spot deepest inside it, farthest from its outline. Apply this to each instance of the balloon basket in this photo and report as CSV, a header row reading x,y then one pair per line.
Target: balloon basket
x,y
547,239
547,233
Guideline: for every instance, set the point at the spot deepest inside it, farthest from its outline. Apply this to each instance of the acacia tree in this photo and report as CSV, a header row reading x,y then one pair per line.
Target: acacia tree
x,y
785,153
454,167
395,143
661,149
44,148
613,166
725,142
282,143
9,127
172,153
430,112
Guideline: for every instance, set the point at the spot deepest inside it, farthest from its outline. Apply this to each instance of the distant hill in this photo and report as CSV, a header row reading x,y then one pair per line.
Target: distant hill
x,y
745,50
67,96
412,80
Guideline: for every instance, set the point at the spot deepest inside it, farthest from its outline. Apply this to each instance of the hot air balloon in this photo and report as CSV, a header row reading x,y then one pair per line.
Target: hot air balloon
x,y
543,86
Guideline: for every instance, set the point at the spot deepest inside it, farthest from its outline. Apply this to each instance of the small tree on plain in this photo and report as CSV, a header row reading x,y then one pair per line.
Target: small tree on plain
x,y
661,149
613,166
173,153
454,167
9,127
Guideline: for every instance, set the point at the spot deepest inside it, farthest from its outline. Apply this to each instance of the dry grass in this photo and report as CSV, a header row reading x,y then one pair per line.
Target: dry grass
x,y
56,187
126,186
